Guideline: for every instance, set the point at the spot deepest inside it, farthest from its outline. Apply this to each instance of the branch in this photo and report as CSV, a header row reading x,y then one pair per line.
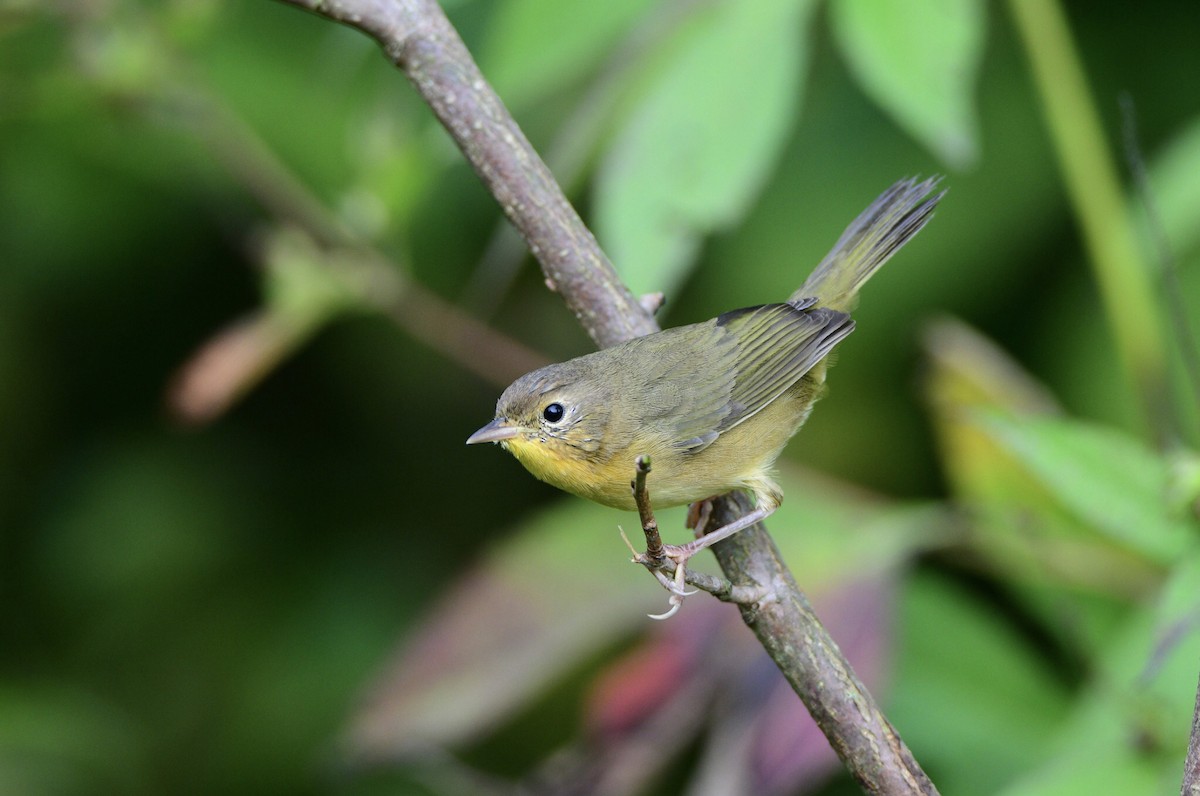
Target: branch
x,y
418,38
1094,188
1191,767
811,661
239,356
416,35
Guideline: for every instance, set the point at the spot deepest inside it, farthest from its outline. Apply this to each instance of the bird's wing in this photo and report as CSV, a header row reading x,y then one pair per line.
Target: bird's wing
x,y
686,377
701,380
776,345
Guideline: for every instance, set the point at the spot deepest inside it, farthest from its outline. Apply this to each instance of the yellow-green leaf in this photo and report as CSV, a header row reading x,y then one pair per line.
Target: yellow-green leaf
x,y
537,46
918,60
1106,478
702,138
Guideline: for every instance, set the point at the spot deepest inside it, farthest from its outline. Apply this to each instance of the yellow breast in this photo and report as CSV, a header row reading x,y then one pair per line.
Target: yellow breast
x,y
558,465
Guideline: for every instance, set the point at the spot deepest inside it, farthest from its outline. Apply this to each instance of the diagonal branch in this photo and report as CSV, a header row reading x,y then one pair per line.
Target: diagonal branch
x,y
810,659
416,35
1191,767
419,39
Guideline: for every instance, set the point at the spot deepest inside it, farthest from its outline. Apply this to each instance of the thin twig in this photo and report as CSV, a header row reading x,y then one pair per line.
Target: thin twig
x,y
724,589
1090,176
655,553
385,284
230,363
416,36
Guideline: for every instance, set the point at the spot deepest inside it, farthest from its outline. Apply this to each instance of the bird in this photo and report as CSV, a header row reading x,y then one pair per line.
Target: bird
x,y
712,404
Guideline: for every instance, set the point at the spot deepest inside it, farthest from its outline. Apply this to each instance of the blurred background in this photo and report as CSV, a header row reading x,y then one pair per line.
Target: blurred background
x,y
252,302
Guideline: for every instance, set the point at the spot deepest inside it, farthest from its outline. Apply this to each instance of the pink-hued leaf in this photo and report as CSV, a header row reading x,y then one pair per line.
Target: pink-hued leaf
x,y
530,612
634,687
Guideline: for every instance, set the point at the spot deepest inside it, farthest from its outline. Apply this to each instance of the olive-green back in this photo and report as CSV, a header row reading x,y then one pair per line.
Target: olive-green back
x,y
710,376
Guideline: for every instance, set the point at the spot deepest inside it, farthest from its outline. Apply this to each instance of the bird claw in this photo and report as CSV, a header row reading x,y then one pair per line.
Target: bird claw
x,y
663,580
676,586
675,602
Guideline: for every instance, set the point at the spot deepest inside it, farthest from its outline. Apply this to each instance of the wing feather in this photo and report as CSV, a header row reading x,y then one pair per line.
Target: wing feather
x,y
777,344
749,357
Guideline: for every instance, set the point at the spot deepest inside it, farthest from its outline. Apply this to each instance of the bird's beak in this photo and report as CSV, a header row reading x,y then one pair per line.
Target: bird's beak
x,y
495,431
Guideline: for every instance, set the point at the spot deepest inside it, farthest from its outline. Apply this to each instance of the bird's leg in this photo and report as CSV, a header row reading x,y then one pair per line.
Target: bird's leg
x,y
681,553
699,513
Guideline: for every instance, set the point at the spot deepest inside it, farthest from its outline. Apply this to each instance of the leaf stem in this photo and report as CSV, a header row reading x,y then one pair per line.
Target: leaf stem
x,y
1094,189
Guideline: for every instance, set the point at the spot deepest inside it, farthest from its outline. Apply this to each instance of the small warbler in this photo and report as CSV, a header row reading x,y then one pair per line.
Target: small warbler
x,y
713,403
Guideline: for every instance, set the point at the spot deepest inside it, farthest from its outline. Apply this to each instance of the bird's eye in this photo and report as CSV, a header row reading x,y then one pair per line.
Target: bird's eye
x,y
554,412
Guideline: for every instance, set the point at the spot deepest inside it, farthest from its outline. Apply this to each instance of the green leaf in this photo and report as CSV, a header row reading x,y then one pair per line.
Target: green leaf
x,y
1115,770
537,46
1177,635
1107,478
1052,560
1175,183
967,372
1183,492
918,60
963,673
1127,731
701,140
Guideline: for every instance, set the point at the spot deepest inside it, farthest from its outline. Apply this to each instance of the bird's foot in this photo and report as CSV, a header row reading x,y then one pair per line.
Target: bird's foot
x,y
675,584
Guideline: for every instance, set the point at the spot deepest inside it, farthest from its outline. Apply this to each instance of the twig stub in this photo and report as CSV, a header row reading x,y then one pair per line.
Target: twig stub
x,y
655,552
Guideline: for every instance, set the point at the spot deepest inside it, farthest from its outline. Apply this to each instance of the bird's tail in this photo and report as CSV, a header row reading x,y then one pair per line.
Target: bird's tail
x,y
873,237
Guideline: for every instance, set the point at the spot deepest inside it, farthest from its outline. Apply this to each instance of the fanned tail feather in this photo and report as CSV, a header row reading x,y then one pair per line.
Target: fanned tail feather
x,y
878,232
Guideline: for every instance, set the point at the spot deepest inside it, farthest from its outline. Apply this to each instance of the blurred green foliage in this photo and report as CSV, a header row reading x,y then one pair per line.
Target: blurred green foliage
x,y
198,606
